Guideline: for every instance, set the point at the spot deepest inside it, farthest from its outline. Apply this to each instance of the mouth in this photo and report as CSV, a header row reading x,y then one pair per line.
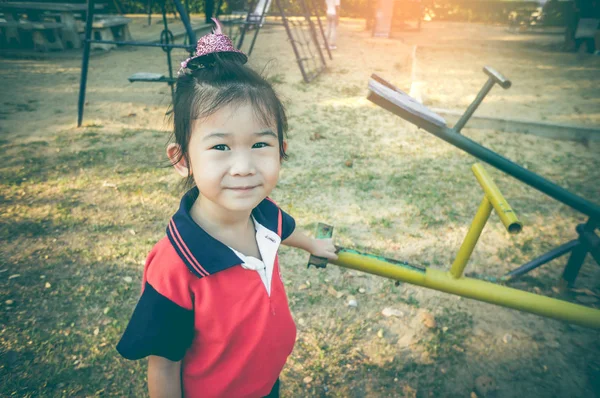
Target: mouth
x,y
244,188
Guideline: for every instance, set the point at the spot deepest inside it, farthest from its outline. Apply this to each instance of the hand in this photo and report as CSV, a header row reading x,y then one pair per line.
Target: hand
x,y
323,248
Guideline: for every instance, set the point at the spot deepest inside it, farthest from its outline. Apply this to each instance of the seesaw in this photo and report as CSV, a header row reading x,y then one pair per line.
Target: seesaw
x,y
453,281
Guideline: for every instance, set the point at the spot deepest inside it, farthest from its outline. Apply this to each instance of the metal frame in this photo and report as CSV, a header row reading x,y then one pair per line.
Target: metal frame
x,y
299,58
453,281
315,10
165,44
248,22
588,241
308,11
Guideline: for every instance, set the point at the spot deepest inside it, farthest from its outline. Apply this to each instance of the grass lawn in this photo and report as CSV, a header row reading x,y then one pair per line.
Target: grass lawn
x,y
81,208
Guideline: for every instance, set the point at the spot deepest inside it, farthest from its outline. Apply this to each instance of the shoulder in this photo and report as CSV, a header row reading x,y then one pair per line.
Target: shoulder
x,y
167,273
163,258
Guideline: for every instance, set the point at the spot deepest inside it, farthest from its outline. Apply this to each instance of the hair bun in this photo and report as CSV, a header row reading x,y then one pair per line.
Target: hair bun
x,y
211,47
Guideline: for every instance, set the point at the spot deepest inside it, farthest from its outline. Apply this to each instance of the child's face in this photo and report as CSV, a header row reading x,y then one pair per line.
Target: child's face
x,y
234,158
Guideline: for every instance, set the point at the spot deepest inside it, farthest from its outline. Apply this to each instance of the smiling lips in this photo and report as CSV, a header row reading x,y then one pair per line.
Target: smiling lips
x,y
243,188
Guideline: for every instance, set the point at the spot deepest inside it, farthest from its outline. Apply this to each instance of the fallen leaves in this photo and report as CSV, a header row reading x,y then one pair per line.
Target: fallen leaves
x,y
387,312
107,184
316,137
331,290
428,320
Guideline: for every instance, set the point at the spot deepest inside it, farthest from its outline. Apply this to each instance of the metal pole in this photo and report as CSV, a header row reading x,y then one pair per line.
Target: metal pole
x,y
513,169
262,15
292,41
573,266
458,140
474,105
186,22
492,192
541,260
245,24
313,31
316,10
578,254
85,61
471,288
168,49
468,245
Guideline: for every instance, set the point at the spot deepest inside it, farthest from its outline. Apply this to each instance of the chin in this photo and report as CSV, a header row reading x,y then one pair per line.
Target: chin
x,y
241,205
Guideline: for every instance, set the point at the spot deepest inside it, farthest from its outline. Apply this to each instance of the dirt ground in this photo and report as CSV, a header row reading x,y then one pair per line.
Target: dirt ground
x,y
387,187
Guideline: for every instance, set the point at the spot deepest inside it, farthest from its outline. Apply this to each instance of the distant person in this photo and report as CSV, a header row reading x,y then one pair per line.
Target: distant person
x,y
213,316
333,19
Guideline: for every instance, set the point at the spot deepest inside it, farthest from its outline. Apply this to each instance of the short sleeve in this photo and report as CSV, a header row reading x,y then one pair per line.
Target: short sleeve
x,y
159,327
288,224
162,323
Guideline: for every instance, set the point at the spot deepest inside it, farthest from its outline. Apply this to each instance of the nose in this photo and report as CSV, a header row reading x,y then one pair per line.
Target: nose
x,y
242,164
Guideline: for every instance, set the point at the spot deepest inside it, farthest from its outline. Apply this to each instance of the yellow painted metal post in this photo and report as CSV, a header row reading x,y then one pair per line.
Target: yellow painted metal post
x,y
503,209
493,199
466,249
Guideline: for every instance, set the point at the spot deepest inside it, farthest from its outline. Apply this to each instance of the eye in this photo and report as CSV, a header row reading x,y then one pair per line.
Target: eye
x,y
260,145
220,147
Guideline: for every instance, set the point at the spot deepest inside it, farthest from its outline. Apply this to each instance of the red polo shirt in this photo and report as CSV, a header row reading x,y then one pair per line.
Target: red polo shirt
x,y
199,305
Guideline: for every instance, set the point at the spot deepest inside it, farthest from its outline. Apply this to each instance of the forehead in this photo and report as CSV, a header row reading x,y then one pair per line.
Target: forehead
x,y
236,118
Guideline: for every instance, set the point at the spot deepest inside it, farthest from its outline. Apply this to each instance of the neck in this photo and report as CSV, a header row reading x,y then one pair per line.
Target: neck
x,y
215,220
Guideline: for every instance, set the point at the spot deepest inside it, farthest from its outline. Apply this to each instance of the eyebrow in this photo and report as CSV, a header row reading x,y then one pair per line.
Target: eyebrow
x,y
265,133
225,135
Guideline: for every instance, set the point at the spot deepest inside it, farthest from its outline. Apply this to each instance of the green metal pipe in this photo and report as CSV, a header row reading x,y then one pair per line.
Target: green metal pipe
x,y
451,136
474,105
549,188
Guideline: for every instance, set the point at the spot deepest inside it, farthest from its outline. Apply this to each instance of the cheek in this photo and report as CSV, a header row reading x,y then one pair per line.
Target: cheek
x,y
270,167
206,167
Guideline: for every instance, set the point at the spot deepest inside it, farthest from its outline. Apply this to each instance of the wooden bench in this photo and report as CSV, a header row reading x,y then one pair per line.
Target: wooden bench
x,y
150,78
9,32
110,28
44,35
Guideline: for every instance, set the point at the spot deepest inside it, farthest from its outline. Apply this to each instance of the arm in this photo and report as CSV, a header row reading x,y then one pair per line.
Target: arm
x,y
316,247
164,377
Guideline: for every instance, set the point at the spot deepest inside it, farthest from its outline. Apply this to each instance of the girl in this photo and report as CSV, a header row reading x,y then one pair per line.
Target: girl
x,y
213,316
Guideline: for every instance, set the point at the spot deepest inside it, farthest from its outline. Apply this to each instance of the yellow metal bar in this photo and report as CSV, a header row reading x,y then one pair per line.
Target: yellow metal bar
x,y
466,249
505,212
471,288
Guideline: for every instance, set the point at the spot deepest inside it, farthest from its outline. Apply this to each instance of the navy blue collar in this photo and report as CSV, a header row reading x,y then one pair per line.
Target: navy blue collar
x,y
203,254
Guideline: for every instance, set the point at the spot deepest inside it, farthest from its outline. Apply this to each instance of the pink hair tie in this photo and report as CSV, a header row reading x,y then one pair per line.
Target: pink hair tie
x,y
212,43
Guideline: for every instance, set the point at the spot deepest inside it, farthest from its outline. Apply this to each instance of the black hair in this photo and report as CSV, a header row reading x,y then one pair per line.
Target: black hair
x,y
201,92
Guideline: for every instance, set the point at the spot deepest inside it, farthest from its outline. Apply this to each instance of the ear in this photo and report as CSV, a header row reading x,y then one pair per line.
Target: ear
x,y
284,145
179,162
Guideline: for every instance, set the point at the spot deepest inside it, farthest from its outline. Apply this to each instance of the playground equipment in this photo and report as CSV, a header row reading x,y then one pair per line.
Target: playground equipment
x,y
167,43
300,30
394,100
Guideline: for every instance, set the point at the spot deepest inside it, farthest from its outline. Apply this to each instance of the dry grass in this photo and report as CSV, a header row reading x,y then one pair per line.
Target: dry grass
x,y
81,208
